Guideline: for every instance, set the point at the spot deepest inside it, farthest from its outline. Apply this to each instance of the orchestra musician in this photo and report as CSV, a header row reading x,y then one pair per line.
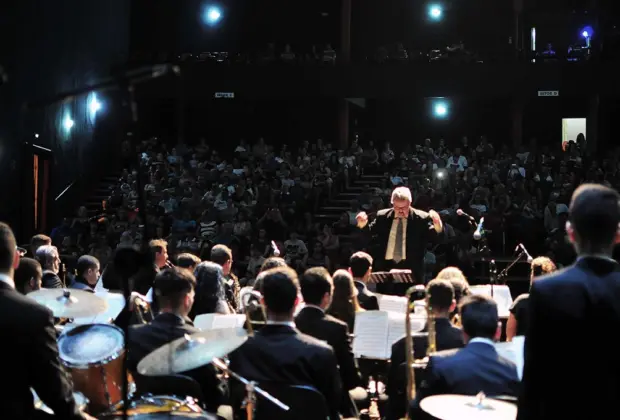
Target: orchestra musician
x,y
344,305
174,290
48,257
360,266
36,242
210,296
519,311
87,274
222,255
401,235
187,261
28,276
441,299
475,368
279,353
32,356
461,288
317,289
572,369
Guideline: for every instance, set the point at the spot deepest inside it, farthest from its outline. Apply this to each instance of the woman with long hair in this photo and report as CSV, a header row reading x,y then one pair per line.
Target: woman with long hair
x,y
344,304
210,298
518,319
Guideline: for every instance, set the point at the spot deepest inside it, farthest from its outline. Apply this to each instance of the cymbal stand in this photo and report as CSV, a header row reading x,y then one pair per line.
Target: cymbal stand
x,y
251,390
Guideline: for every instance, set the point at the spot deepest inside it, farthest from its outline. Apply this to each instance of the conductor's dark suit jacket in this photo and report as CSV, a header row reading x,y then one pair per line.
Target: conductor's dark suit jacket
x,y
420,232
280,354
31,359
447,337
572,368
167,327
475,368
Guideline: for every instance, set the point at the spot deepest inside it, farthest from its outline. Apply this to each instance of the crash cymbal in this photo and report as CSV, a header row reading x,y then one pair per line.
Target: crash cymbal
x,y
70,303
192,351
462,407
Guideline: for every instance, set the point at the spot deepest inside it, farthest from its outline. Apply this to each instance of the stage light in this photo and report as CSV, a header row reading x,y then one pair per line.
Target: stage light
x,y
36,135
94,106
440,109
435,12
68,123
212,15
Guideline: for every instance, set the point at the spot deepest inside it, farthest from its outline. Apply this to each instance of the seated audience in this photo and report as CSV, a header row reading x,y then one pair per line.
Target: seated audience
x,y
28,276
317,288
279,353
518,319
475,368
87,274
360,266
174,291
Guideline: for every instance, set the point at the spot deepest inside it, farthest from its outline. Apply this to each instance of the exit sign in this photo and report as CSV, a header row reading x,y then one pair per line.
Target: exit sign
x,y
548,93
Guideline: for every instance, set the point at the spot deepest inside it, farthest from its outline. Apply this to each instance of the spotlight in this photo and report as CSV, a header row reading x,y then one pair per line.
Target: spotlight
x,y
94,106
212,15
441,109
68,123
435,12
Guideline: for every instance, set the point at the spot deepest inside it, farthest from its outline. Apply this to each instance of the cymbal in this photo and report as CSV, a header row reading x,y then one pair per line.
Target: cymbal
x,y
463,407
192,351
70,303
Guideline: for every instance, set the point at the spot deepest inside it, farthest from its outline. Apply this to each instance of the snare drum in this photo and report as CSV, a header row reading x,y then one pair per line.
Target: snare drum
x,y
159,407
94,355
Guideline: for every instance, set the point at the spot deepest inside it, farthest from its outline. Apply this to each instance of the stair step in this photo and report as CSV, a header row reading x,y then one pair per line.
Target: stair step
x,y
326,216
373,177
329,209
349,195
336,202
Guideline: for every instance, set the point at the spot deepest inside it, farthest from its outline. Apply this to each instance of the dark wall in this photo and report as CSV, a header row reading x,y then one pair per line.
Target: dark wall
x,y
59,46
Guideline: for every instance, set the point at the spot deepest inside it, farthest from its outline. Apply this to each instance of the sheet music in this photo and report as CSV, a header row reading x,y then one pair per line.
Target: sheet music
x,y
208,322
228,321
513,351
390,303
501,295
371,332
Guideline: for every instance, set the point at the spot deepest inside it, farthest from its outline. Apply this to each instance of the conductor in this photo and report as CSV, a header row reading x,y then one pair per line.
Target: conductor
x,y
400,234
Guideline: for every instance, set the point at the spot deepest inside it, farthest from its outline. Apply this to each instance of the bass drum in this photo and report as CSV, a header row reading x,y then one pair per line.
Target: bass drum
x,y
159,407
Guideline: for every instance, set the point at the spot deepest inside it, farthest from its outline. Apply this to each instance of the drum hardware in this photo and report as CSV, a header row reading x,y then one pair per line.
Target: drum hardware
x,y
192,351
80,401
251,389
70,303
150,406
462,407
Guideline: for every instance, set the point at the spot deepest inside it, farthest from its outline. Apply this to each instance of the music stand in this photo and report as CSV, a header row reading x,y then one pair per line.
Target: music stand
x,y
399,276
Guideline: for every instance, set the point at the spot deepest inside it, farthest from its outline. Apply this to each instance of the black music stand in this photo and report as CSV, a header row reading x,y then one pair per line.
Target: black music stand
x,y
400,276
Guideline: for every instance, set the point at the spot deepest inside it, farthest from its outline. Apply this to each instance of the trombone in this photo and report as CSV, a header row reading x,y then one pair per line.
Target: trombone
x,y
432,341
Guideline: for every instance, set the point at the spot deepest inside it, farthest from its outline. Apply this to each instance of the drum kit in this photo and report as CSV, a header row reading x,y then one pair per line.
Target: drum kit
x,y
463,407
94,355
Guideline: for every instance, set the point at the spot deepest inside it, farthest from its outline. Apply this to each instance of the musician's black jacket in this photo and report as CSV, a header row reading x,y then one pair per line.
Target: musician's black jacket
x,y
475,368
167,327
280,354
447,336
51,280
313,321
572,368
31,359
420,232
365,297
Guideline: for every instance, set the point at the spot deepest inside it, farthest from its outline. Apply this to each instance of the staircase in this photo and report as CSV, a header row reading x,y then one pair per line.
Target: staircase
x,y
330,212
102,192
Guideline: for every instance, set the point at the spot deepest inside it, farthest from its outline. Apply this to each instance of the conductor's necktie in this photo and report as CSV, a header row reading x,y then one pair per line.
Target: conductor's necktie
x,y
398,242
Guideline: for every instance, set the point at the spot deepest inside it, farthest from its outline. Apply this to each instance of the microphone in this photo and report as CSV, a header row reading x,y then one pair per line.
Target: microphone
x,y
462,213
479,230
527,254
276,250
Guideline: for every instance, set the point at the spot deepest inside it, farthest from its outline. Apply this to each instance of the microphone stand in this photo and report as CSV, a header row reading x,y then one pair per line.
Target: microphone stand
x,y
492,276
504,273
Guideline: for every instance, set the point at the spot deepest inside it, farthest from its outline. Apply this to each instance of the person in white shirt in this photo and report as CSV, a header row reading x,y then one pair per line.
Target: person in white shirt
x,y
457,162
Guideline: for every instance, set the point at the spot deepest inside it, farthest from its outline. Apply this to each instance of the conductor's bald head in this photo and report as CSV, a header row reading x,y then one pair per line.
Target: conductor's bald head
x,y
594,218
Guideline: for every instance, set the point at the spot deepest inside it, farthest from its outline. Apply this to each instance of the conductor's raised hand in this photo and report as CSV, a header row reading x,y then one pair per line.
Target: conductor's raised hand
x,y
437,223
362,219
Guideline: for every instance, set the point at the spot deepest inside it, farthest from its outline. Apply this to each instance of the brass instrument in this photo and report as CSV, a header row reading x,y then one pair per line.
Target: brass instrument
x,y
142,309
411,391
430,322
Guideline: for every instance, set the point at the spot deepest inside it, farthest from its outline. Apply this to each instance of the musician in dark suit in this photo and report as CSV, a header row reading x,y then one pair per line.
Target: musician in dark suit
x,y
401,234
476,367
174,288
316,289
87,274
48,257
572,369
31,352
360,266
28,276
441,296
279,353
